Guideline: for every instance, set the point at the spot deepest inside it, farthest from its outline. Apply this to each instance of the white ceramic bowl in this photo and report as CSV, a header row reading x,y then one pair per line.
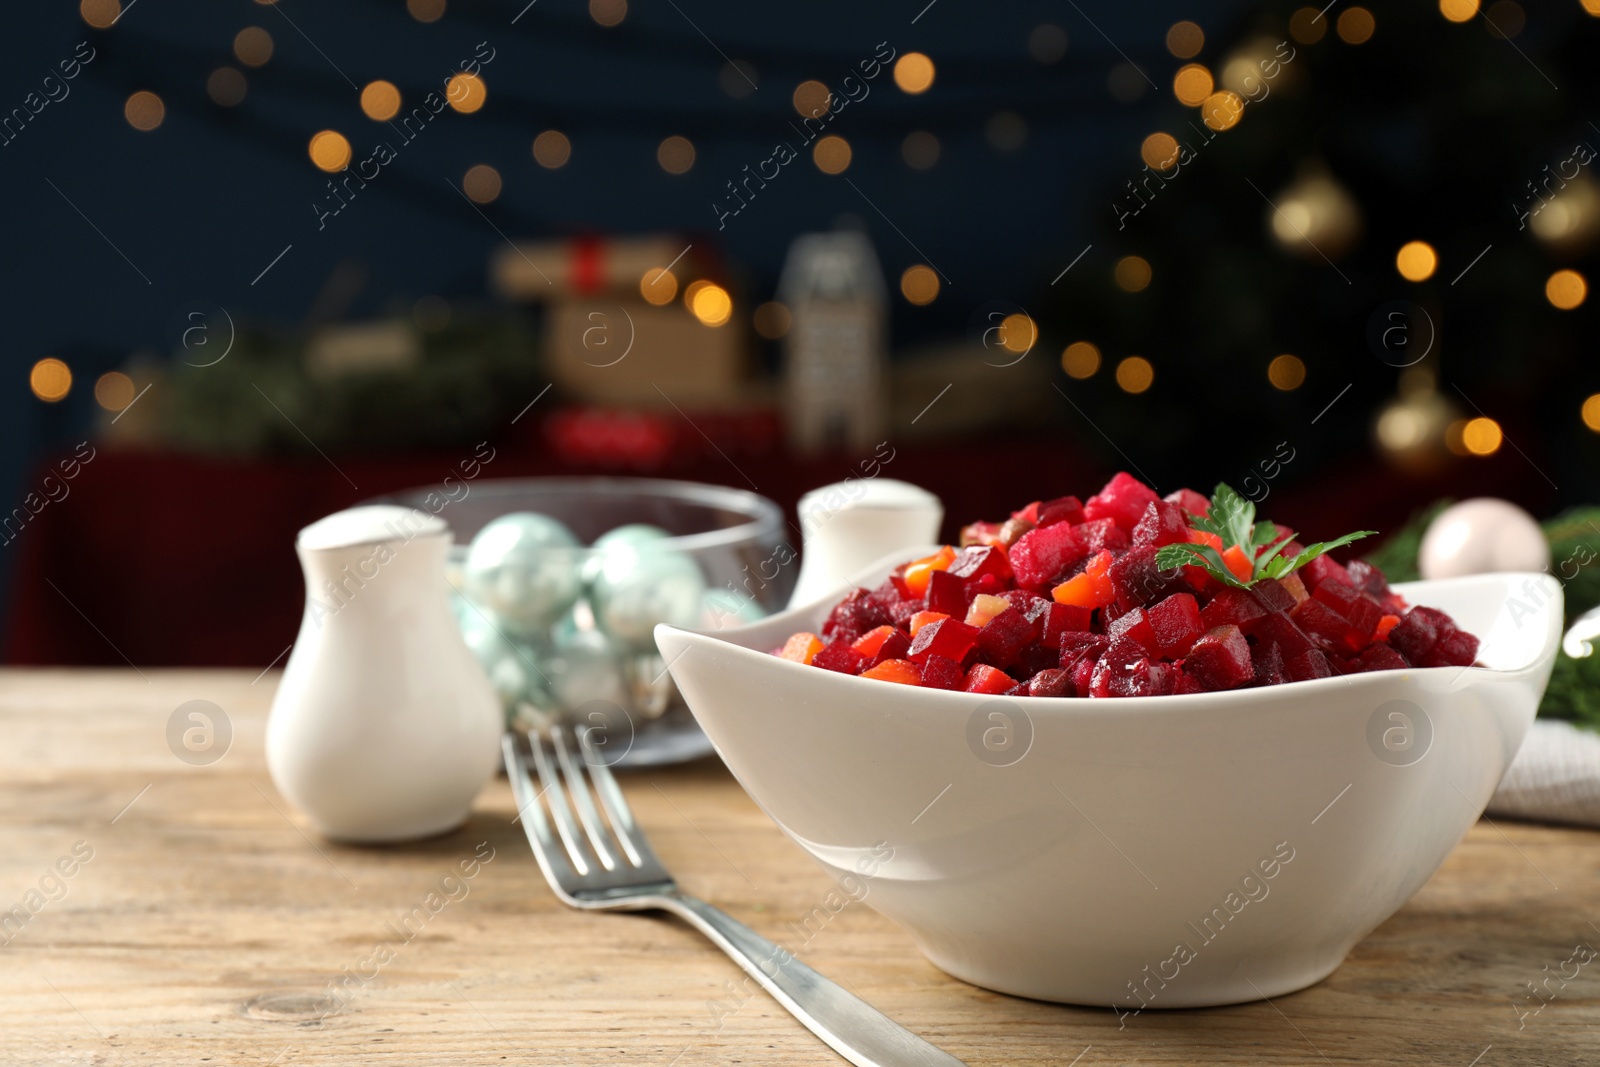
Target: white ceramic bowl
x,y
1168,852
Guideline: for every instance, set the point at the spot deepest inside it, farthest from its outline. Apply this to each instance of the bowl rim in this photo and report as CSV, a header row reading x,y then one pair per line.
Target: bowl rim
x,y
764,516
1252,696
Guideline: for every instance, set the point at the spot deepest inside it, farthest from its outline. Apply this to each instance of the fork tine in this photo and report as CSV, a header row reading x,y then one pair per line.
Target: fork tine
x,y
551,856
582,800
560,812
633,842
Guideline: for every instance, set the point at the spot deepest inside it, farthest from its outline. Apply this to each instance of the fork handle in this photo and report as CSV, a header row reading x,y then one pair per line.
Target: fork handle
x,y
849,1025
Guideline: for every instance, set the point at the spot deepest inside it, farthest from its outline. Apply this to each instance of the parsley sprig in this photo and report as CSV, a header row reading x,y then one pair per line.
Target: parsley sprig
x,y
1233,521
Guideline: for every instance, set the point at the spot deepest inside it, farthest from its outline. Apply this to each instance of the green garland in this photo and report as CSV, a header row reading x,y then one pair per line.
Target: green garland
x,y
1574,691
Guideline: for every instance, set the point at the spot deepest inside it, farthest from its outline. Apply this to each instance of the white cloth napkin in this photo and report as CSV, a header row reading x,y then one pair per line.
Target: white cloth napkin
x,y
1555,777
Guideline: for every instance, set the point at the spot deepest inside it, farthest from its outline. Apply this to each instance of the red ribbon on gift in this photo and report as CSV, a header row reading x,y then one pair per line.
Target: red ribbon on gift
x,y
586,272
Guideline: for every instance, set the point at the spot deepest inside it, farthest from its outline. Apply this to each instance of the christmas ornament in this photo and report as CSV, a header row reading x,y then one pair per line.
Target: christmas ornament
x,y
1482,536
639,585
586,666
525,568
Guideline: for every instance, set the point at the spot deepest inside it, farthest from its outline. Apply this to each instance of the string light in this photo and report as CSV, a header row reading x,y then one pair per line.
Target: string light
x,y
1481,436
811,99
1222,111
380,101
913,73
1080,360
113,390
772,320
658,286
608,13
709,302
1566,289
1458,10
831,154
675,154
50,380
1135,375
1355,25
1192,84
330,151
144,110
1159,151
481,183
551,149
1185,39
1018,332
253,46
426,10
226,87
919,284
1132,273
1307,25
1591,410
1286,373
1416,261
466,92
101,14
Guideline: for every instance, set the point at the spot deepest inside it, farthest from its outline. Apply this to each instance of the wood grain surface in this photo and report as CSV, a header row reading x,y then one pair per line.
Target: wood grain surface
x,y
201,923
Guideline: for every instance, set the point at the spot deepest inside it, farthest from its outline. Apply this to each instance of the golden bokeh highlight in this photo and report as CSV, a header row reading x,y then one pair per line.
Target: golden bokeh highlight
x,y
1185,39
1159,151
1222,111
329,150
380,101
426,10
913,73
1458,10
551,149
920,150
1286,372
100,14
709,302
772,320
1132,273
1355,25
1135,375
831,154
50,379
466,92
1192,84
1592,7
1505,19
253,46
144,110
1018,332
226,87
1080,359
811,98
482,184
1307,25
1416,261
1591,406
1481,436
658,286
1452,437
608,13
1566,289
919,284
675,154
114,390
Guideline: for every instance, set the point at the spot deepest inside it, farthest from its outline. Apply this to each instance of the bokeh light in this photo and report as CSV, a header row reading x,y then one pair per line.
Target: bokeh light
x,y
1080,359
1355,25
1286,372
101,14
466,92
1006,131
1307,25
329,150
913,73
1505,19
114,390
226,87
1416,261
1185,39
481,183
253,46
919,284
1482,436
1458,10
1135,374
675,154
144,110
1566,289
920,150
1018,332
1132,273
426,10
811,98
831,154
608,13
1159,151
1047,43
1192,84
50,379
380,101
551,149
658,286
1591,406
1222,111
772,320
709,302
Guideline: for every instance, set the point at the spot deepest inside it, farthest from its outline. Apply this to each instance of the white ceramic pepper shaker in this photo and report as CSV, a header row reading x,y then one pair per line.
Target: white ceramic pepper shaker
x,y
850,525
384,727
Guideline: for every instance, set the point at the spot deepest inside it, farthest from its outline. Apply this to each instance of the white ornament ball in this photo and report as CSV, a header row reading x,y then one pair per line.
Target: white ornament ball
x,y
526,568
1482,536
640,585
587,665
631,534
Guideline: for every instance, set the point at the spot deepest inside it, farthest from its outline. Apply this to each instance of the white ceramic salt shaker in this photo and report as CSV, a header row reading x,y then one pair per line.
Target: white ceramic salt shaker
x,y
384,727
850,525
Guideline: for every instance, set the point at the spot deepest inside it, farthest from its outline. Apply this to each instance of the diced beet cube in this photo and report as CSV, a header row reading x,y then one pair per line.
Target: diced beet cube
x,y
946,594
853,616
1004,637
1175,623
1273,595
1102,535
950,638
1380,657
1035,658
1082,671
1326,627
1308,665
1029,514
1187,683
979,561
1138,579
1277,628
1364,615
1123,500
1161,524
1455,649
941,672
1076,645
1231,607
886,595
1018,690
1054,682
895,646
1041,557
983,678
1121,676
1058,619
1267,664
1220,659
1322,569
900,614
986,585
1416,634
1021,599
1134,626
840,657
1190,501
1364,575
1338,594
1061,509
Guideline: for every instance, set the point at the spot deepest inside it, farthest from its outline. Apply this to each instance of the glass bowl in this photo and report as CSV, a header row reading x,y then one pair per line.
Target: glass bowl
x,y
564,625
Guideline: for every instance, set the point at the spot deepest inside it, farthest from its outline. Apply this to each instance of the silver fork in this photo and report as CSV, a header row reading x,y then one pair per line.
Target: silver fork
x,y
607,864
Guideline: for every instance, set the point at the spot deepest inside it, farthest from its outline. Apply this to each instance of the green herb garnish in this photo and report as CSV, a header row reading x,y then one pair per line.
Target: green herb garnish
x,y
1233,522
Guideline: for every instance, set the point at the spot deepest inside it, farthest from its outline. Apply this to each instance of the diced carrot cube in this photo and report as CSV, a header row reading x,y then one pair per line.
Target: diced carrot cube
x,y
923,618
1205,537
1090,589
985,607
1385,624
869,643
919,571
902,671
1241,565
801,647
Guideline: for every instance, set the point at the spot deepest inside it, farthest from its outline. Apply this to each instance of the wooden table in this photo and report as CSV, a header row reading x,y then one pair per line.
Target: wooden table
x,y
208,926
